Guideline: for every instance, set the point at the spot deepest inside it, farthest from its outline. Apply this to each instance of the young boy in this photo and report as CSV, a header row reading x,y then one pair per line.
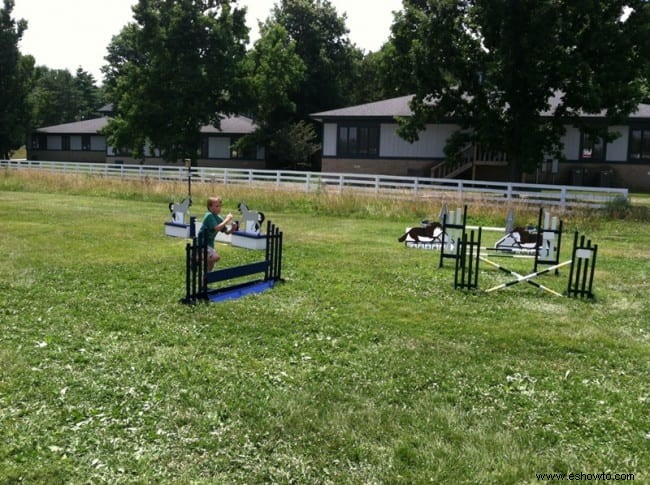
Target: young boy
x,y
211,225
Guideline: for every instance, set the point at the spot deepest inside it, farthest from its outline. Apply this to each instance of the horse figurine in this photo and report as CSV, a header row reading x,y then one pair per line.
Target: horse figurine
x,y
179,210
520,239
252,220
432,231
523,236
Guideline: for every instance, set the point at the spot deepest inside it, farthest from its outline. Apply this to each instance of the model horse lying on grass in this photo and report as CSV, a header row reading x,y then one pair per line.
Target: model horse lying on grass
x,y
430,231
523,236
520,239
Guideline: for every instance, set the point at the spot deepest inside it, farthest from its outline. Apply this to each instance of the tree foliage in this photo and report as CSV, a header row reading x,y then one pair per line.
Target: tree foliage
x,y
372,81
274,73
87,95
321,40
59,97
295,144
15,75
173,70
302,63
493,66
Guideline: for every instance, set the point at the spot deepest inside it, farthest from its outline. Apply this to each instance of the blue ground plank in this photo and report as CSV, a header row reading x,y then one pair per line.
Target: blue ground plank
x,y
240,291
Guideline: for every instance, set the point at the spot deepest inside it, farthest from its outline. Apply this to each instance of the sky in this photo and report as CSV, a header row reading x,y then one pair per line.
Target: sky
x,y
68,34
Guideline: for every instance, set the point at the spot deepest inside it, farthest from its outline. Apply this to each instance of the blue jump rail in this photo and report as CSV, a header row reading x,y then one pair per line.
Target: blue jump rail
x,y
198,279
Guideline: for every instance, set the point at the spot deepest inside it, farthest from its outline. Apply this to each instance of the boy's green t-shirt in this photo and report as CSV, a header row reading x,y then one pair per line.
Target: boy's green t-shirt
x,y
207,232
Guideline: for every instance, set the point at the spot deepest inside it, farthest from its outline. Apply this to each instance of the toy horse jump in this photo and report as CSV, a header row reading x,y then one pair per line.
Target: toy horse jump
x,y
180,210
521,237
252,220
431,231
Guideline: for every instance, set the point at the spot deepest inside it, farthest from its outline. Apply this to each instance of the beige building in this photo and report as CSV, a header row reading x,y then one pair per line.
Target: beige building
x,y
363,139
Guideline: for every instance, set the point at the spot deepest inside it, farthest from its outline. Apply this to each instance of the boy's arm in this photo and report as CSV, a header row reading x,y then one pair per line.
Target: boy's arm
x,y
219,227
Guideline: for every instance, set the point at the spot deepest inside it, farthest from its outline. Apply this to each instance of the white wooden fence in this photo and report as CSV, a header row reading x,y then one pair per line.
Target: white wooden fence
x,y
558,195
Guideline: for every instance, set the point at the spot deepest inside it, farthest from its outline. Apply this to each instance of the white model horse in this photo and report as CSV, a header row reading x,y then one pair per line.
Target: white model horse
x,y
180,210
252,219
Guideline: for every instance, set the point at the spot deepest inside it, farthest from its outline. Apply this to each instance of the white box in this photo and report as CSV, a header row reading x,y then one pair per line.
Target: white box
x,y
177,230
247,240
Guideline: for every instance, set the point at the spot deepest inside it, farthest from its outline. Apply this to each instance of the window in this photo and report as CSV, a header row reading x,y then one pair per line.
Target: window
x,y
85,142
65,142
592,148
39,141
640,144
122,152
358,141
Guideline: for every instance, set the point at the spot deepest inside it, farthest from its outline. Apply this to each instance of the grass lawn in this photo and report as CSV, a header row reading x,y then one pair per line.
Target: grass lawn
x,y
365,366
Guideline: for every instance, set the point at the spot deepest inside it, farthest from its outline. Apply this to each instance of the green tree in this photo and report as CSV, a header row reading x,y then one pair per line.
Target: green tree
x,y
173,70
493,66
275,73
321,40
371,77
302,63
88,95
59,97
294,146
51,97
15,76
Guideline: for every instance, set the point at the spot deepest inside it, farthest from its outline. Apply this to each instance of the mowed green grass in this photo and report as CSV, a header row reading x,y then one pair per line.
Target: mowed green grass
x,y
365,366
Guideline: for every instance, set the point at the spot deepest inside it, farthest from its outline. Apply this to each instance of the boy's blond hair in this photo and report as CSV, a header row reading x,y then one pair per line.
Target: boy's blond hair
x,y
214,200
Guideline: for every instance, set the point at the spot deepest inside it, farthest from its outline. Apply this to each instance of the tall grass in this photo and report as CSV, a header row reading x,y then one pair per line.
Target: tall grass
x,y
328,201
365,366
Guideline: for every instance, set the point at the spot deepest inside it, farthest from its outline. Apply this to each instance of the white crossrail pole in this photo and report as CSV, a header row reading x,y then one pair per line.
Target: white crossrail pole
x,y
528,277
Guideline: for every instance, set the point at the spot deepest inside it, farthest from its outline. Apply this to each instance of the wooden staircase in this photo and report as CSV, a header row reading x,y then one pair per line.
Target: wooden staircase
x,y
470,157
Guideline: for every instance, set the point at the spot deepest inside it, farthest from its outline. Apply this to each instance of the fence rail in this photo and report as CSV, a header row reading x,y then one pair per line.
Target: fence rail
x,y
558,195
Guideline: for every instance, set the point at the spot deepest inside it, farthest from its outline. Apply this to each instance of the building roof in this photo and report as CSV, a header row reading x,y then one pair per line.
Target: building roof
x,y
387,108
393,107
84,127
231,124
